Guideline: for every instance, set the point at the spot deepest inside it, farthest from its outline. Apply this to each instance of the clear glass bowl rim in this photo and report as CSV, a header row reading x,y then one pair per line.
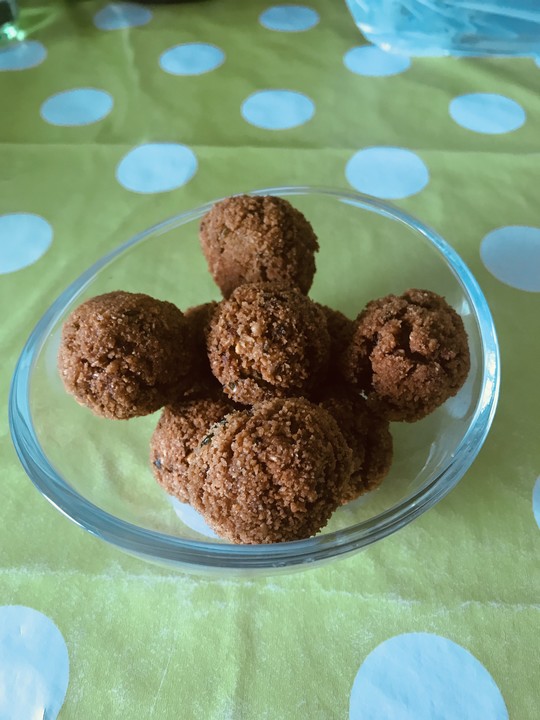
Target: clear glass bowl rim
x,y
195,554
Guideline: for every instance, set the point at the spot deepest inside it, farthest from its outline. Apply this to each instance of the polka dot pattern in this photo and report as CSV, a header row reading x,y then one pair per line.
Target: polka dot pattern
x,y
24,238
370,61
289,18
191,59
512,255
163,81
387,172
277,109
420,676
536,501
22,56
487,113
190,517
34,665
119,16
156,167
81,106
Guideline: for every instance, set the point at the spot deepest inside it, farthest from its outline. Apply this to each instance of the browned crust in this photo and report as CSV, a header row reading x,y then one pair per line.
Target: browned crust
x,y
270,474
266,341
409,354
249,239
123,354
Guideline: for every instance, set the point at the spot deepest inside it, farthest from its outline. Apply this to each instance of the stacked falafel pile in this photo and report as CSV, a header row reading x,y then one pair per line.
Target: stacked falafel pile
x,y
276,408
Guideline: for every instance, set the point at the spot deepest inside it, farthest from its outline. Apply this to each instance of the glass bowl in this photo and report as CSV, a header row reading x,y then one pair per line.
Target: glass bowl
x,y
97,471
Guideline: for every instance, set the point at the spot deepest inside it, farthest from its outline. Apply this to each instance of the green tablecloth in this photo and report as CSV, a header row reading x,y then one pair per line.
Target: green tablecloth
x,y
144,642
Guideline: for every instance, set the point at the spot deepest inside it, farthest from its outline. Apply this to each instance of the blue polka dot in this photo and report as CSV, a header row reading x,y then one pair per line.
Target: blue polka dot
x,y
24,238
289,18
536,501
487,113
419,676
387,172
512,255
22,55
277,109
156,167
34,665
191,59
370,61
190,517
118,16
82,106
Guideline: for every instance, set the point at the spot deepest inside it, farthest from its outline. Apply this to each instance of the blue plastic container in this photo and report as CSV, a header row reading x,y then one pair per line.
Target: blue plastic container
x,y
450,27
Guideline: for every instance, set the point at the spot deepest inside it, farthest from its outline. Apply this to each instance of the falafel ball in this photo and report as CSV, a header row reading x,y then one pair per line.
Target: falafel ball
x,y
248,239
341,330
366,433
124,354
202,382
409,354
270,474
267,341
180,429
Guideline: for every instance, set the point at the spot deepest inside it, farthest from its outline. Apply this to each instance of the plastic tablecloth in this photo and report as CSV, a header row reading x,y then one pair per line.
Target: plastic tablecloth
x,y
440,620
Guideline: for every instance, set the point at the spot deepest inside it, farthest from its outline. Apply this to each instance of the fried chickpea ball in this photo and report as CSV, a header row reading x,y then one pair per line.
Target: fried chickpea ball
x,y
270,474
409,354
201,381
124,354
179,431
267,341
341,330
248,239
366,433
